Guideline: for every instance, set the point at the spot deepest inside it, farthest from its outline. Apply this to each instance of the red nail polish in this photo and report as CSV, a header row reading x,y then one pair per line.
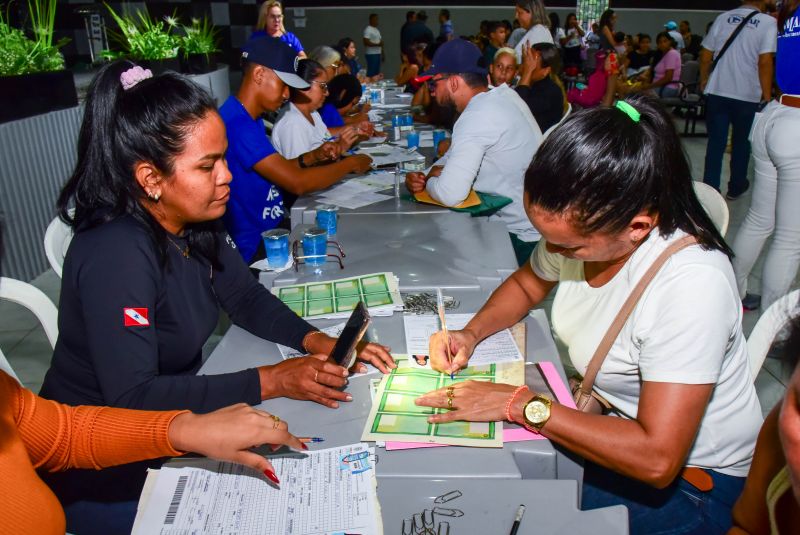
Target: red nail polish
x,y
272,477
304,446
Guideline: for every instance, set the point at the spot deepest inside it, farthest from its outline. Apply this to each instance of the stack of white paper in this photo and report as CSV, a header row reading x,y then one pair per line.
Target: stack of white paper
x,y
387,154
352,194
324,492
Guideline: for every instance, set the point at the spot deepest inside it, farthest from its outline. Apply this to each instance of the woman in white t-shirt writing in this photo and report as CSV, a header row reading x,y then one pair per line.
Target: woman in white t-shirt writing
x,y
609,191
299,128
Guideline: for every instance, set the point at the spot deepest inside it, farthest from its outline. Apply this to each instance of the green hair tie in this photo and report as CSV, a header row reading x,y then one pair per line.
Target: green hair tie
x,y
628,110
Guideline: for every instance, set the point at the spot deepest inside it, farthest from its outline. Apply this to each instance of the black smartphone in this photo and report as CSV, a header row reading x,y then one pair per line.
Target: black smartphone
x,y
344,352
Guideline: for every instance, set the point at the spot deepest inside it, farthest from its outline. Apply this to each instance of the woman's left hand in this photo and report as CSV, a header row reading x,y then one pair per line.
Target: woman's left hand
x,y
376,354
472,401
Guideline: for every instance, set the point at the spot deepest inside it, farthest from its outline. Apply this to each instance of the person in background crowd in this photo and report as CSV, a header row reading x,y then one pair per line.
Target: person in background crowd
x,y
497,40
373,47
482,39
260,174
776,192
329,58
493,140
344,93
405,29
622,45
270,24
610,190
148,269
572,42
606,34
599,88
692,43
504,67
639,61
299,128
540,84
770,501
411,65
416,32
347,50
445,26
739,83
516,34
556,31
532,16
667,68
672,28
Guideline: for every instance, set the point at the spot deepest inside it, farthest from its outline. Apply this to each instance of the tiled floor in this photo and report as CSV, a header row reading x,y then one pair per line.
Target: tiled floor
x,y
23,341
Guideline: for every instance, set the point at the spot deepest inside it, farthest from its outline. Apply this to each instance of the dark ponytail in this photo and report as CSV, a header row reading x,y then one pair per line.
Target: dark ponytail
x,y
146,123
604,168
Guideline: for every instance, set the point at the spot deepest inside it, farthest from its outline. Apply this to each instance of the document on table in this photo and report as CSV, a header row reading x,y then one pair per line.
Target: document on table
x,y
356,192
499,347
324,492
387,154
290,352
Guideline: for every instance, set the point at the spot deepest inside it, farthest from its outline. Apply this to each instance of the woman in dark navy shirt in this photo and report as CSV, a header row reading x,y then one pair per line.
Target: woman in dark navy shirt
x,y
148,268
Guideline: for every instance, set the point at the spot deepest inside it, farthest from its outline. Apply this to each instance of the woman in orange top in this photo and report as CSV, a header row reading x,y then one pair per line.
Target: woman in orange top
x,y
39,434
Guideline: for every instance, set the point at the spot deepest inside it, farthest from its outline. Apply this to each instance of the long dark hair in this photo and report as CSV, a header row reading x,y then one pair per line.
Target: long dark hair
x,y
342,90
605,18
566,20
146,123
605,168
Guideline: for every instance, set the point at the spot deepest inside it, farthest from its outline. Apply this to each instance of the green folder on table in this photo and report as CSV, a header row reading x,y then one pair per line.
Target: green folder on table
x,y
488,205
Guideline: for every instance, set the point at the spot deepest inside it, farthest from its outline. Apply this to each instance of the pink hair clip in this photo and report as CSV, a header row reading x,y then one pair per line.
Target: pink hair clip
x,y
133,76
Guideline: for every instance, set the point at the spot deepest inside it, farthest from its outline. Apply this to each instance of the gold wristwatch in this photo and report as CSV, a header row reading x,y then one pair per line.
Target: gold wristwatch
x,y
537,411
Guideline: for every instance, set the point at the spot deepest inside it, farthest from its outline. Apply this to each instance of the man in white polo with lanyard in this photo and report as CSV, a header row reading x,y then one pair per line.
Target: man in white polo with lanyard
x,y
493,141
741,80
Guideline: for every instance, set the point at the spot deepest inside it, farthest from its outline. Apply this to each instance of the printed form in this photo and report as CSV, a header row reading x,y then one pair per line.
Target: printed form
x,y
324,492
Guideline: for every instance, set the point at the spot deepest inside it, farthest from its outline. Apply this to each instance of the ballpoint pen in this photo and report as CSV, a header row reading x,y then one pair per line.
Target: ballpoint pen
x,y
517,520
305,440
440,305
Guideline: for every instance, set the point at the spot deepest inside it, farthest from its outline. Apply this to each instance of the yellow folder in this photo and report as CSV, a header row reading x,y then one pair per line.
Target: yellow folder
x,y
471,200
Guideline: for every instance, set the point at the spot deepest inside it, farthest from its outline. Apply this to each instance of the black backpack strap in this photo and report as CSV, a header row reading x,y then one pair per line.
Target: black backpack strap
x,y
733,36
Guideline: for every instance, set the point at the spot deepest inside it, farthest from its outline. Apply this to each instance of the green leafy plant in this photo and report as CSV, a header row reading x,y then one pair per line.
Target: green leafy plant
x,y
200,38
141,37
20,54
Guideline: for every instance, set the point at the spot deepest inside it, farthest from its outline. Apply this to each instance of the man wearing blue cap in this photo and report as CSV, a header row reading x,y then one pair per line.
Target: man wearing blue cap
x,y
672,30
493,141
260,173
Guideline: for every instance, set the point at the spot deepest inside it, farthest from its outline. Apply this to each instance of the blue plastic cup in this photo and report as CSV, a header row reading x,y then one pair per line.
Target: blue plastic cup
x,y
276,243
327,219
438,135
375,96
315,246
413,139
408,119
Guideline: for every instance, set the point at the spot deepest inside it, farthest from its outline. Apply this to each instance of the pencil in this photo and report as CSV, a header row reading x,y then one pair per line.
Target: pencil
x,y
440,305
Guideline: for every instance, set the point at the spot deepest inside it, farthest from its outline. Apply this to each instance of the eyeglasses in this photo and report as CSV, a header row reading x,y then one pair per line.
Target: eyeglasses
x,y
432,82
335,65
322,85
276,17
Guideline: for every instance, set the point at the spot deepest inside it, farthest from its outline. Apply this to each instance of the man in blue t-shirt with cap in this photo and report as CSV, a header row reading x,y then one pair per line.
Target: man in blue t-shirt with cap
x,y
260,174
493,141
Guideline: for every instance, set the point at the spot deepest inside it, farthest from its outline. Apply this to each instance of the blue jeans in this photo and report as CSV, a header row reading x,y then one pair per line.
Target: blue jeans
x,y
373,64
721,114
677,509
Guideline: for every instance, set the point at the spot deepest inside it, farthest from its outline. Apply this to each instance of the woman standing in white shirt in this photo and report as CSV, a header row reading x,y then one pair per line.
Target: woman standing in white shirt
x,y
609,191
299,128
532,16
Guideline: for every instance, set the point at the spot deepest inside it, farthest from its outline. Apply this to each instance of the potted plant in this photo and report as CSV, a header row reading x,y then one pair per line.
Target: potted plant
x,y
148,41
199,43
33,79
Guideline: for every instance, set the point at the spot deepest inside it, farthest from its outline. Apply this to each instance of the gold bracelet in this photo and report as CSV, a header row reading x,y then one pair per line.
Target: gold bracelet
x,y
307,337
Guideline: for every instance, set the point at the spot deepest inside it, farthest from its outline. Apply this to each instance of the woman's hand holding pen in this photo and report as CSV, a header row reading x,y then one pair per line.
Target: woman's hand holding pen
x,y
228,434
347,138
462,345
327,152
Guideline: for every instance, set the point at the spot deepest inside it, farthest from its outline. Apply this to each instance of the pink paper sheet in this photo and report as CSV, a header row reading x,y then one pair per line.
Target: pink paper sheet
x,y
520,434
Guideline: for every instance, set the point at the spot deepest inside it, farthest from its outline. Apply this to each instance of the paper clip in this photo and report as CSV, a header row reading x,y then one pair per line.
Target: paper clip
x,y
443,529
427,520
450,496
444,511
407,527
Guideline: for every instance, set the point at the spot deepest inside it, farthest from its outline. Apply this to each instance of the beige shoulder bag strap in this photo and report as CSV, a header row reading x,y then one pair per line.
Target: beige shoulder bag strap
x,y
584,392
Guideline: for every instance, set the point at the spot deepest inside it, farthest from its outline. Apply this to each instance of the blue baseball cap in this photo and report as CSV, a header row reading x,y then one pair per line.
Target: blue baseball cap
x,y
671,25
274,54
457,56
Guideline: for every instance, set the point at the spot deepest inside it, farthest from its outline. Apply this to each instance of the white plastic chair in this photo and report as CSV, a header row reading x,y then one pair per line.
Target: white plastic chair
x,y
771,322
37,302
714,205
56,242
563,118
